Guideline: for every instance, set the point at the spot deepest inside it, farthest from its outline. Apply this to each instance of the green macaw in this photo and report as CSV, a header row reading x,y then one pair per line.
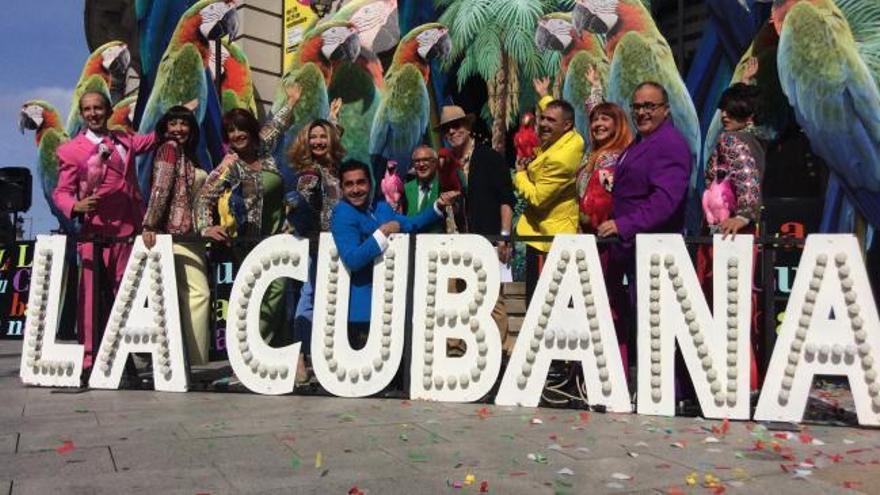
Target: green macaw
x,y
105,71
236,82
580,50
123,112
42,118
639,53
359,83
829,68
405,107
183,74
323,48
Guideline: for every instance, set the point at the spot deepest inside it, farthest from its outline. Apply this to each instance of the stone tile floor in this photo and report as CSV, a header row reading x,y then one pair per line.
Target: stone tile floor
x,y
135,441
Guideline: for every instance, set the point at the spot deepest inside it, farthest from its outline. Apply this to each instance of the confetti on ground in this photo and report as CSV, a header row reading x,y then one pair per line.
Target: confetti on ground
x,y
417,457
295,462
65,447
678,445
537,421
470,479
633,454
847,441
484,412
565,472
691,479
583,449
484,486
403,437
319,460
554,446
537,457
621,476
355,491
711,440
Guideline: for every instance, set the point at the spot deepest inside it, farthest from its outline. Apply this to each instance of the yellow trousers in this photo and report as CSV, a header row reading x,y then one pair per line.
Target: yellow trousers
x,y
194,297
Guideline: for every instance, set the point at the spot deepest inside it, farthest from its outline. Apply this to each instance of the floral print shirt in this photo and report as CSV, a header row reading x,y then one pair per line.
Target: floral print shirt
x,y
739,157
175,182
239,175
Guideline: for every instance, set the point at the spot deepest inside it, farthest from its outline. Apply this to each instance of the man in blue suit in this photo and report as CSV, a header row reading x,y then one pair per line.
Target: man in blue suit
x,y
361,234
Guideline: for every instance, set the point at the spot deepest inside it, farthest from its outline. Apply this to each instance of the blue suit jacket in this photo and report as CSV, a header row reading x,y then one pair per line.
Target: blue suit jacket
x,y
352,231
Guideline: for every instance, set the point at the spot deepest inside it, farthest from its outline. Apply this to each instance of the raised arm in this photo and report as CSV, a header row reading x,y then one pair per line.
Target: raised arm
x,y
597,95
278,124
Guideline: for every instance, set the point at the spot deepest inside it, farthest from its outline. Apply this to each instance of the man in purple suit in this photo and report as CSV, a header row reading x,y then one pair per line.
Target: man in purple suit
x,y
652,174
650,187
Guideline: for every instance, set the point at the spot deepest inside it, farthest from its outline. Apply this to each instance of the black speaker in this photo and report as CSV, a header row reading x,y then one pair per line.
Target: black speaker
x,y
16,184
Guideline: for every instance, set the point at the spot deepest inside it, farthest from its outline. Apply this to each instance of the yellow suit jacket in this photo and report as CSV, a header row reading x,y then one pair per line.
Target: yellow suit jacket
x,y
548,188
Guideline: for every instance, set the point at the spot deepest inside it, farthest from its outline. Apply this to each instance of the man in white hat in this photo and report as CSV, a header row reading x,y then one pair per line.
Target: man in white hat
x,y
489,192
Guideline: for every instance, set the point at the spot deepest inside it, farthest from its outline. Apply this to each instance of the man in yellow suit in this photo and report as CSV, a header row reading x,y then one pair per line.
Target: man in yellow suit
x,y
547,182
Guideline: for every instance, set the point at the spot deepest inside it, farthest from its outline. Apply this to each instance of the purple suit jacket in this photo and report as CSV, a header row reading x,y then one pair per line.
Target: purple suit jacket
x,y
650,184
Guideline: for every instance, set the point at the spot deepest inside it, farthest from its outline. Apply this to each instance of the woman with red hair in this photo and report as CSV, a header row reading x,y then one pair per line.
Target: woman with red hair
x,y
609,136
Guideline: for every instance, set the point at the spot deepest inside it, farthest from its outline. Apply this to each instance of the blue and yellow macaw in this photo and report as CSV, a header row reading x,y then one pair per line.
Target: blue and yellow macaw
x,y
405,107
104,71
580,50
639,53
184,75
42,118
829,68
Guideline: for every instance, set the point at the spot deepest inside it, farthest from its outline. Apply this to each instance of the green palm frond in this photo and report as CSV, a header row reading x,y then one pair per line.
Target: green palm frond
x,y
472,17
467,69
517,13
519,43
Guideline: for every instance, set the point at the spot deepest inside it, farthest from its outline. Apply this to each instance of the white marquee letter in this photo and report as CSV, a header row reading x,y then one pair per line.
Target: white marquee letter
x,y
149,278
831,277
44,362
439,315
262,368
672,307
553,330
341,370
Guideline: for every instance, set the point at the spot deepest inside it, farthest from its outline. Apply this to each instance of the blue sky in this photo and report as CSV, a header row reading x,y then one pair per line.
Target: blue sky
x,y
42,56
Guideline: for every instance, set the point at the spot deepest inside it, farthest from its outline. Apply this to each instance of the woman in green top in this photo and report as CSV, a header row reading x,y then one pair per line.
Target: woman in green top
x,y
257,201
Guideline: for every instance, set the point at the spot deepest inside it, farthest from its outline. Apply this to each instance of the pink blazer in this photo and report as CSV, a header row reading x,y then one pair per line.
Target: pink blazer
x,y
120,207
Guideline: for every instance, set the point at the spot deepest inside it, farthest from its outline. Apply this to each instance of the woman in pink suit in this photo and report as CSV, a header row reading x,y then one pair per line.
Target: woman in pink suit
x,y
97,185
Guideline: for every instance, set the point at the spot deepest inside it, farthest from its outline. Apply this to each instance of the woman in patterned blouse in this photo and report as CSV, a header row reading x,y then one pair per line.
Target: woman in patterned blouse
x,y
176,179
609,136
314,155
257,199
738,159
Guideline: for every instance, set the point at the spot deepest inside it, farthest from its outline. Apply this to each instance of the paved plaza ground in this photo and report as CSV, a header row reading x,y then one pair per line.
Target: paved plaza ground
x,y
135,441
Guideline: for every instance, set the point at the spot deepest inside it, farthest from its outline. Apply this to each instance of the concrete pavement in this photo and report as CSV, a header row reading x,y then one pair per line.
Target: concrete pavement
x,y
147,442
